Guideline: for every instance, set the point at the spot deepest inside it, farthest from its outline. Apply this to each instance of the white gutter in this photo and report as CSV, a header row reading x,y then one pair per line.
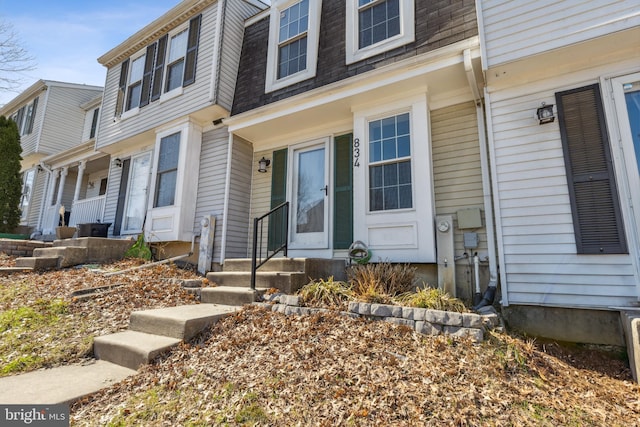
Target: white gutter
x,y
227,190
484,165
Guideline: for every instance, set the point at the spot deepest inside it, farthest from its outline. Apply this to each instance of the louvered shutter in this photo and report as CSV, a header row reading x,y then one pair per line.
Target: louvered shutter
x,y
192,51
145,93
122,87
158,70
33,116
277,223
122,196
343,193
597,219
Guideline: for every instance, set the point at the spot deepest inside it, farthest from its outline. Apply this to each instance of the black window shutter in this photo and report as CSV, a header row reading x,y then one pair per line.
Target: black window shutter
x,y
122,195
343,193
145,93
192,51
278,196
33,116
156,89
94,123
597,219
122,87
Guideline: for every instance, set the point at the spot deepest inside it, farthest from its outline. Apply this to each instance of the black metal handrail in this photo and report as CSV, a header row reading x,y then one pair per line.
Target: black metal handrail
x,y
277,237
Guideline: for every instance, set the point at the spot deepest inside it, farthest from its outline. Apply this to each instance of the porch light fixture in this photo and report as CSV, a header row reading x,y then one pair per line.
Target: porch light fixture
x,y
118,162
262,164
545,114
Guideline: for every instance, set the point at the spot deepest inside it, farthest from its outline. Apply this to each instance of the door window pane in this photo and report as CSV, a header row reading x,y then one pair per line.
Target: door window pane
x,y
136,205
310,193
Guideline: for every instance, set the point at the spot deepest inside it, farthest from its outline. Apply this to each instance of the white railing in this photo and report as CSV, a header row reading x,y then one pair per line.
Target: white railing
x,y
87,210
50,219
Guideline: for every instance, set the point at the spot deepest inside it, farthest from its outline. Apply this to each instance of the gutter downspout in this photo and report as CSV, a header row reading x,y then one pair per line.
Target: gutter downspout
x,y
486,183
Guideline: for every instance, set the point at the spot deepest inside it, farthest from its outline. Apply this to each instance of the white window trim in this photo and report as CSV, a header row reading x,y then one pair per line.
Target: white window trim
x,y
167,95
313,31
141,54
407,32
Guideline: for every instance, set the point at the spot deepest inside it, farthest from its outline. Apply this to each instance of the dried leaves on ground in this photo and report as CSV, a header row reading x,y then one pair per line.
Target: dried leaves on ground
x,y
264,368
48,319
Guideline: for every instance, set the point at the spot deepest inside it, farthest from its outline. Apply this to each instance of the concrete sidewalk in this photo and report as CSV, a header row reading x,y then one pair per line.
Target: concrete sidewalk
x,y
61,385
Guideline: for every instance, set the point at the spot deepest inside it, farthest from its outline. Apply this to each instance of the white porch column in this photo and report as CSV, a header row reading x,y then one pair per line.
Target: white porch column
x,y
63,178
76,194
54,176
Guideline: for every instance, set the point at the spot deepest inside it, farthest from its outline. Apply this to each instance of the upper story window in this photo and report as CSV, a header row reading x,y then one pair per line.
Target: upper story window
x,y
94,123
175,68
164,66
25,117
134,85
293,42
375,26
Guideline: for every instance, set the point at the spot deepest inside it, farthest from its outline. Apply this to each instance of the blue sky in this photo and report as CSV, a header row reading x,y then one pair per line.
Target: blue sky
x,y
66,37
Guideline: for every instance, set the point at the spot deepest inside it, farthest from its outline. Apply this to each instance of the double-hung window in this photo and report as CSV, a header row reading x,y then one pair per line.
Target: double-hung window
x,y
376,26
164,66
25,117
167,173
390,163
293,42
175,66
134,84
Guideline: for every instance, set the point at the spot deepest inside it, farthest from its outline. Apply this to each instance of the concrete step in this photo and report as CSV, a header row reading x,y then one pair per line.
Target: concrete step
x,y
99,249
68,255
182,322
287,282
131,348
5,271
38,263
274,264
229,295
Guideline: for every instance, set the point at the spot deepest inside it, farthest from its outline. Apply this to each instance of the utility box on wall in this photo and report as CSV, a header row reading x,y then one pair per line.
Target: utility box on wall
x,y
469,218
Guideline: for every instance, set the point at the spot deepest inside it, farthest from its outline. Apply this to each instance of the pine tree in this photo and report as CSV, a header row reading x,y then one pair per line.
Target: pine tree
x,y
10,180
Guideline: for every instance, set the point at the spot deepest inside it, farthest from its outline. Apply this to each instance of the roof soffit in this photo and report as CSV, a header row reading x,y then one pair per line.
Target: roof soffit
x,y
167,22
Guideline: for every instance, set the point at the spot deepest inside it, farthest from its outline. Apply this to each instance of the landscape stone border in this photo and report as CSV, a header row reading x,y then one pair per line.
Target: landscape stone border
x,y
422,320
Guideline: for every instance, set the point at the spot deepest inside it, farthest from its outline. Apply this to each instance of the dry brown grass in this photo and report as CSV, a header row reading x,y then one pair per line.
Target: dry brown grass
x,y
380,282
264,368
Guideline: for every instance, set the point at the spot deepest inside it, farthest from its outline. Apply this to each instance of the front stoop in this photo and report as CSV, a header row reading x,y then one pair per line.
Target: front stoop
x,y
631,326
152,332
287,275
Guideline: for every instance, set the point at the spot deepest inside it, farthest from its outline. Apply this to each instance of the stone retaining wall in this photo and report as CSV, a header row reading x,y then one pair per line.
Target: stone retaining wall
x,y
422,320
21,248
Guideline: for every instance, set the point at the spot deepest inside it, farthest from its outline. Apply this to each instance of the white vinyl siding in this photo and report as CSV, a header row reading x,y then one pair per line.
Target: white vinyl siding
x,y
239,199
514,30
457,174
541,265
260,195
37,196
194,97
64,119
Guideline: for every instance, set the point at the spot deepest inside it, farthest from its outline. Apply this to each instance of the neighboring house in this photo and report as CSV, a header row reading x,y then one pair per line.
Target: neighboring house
x,y
369,114
566,192
52,118
168,87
